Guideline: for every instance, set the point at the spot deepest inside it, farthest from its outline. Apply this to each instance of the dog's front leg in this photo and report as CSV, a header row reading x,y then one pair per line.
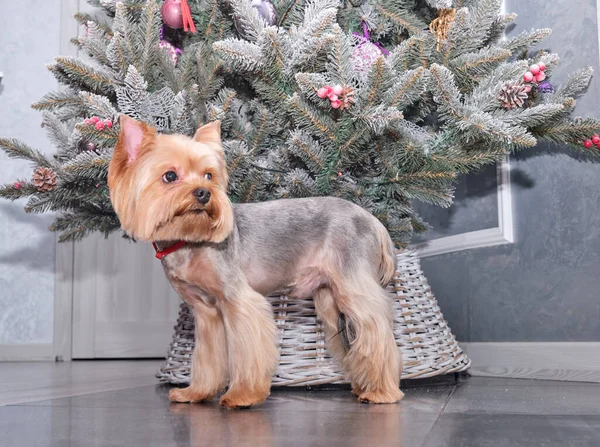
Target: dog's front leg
x,y
252,347
209,360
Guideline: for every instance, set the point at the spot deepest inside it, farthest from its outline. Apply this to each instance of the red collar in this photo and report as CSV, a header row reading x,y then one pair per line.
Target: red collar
x,y
162,253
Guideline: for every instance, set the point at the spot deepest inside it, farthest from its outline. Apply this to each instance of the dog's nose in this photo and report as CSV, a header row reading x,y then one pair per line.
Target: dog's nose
x,y
202,195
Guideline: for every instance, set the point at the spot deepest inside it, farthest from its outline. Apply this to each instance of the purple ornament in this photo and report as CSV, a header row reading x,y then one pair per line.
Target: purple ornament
x,y
545,87
365,52
171,49
265,8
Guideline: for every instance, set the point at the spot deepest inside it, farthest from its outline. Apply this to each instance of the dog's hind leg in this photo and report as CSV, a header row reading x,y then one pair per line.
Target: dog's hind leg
x,y
329,315
373,361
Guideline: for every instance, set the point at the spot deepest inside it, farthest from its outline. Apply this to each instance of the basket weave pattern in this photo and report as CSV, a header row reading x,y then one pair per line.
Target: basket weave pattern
x,y
427,344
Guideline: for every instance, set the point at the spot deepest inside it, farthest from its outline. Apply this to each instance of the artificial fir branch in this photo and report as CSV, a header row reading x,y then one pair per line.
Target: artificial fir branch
x,y
418,118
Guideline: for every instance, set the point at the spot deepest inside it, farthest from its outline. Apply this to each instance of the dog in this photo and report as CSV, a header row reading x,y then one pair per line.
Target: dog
x,y
224,259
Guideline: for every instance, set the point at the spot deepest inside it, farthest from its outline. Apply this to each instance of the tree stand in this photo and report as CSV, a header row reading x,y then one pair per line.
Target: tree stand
x,y
427,344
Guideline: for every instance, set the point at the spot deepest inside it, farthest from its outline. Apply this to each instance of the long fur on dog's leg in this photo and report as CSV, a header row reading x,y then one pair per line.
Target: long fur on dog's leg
x,y
373,363
252,348
209,360
329,315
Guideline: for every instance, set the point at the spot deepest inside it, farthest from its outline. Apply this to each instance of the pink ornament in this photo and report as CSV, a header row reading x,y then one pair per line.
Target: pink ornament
x,y
323,92
94,119
332,97
336,104
588,144
541,66
540,77
534,69
528,77
172,14
17,185
338,90
99,125
596,139
108,123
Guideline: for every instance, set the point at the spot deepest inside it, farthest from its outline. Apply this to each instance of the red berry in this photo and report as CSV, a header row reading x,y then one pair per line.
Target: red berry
x,y
94,119
17,185
108,123
528,77
540,77
336,104
534,69
99,125
596,139
542,66
338,90
588,144
322,93
88,121
340,174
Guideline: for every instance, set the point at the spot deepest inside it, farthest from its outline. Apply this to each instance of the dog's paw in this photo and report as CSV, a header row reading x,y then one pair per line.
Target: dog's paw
x,y
357,391
381,397
242,399
187,395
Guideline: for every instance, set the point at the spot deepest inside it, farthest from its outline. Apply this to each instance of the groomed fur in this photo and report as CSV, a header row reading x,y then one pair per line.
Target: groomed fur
x,y
324,248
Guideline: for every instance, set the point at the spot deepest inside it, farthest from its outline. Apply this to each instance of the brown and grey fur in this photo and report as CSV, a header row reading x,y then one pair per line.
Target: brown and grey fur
x,y
326,248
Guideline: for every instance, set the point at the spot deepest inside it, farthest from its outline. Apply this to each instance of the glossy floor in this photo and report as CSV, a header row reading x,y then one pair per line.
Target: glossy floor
x,y
470,412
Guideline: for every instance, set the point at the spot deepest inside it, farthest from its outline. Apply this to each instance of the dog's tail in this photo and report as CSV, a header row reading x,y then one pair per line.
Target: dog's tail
x,y
389,262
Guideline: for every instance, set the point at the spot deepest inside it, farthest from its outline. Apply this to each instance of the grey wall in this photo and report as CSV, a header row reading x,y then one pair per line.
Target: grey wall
x,y
546,286
29,39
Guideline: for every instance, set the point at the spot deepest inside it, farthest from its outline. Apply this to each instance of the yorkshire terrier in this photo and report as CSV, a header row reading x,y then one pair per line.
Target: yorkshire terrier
x,y
223,259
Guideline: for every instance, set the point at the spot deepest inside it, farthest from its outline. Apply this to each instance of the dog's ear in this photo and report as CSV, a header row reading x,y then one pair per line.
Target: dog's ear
x,y
209,133
134,136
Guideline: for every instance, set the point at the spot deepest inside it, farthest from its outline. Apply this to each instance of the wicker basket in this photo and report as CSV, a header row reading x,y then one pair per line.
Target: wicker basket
x,y
428,347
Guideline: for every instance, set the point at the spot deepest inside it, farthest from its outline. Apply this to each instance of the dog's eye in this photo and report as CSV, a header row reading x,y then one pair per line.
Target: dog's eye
x,y
169,177
208,176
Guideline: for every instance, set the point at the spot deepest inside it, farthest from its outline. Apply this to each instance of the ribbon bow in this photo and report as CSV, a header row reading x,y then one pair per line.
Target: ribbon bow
x,y
188,22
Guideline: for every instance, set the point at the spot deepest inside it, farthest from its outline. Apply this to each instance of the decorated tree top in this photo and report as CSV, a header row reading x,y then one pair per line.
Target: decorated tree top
x,y
378,102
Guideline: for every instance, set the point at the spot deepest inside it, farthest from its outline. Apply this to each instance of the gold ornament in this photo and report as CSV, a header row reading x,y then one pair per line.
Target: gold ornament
x,y
441,25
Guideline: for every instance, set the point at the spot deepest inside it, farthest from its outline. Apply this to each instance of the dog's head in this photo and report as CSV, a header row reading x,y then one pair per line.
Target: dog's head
x,y
170,187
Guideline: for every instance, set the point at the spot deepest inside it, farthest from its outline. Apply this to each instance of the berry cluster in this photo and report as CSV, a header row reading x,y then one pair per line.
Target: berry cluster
x,y
594,141
340,97
95,121
535,73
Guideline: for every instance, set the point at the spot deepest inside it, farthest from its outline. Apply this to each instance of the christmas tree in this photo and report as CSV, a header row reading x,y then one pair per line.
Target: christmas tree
x,y
377,102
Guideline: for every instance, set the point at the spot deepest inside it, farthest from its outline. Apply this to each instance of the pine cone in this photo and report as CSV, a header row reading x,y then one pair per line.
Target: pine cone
x,y
44,179
514,94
